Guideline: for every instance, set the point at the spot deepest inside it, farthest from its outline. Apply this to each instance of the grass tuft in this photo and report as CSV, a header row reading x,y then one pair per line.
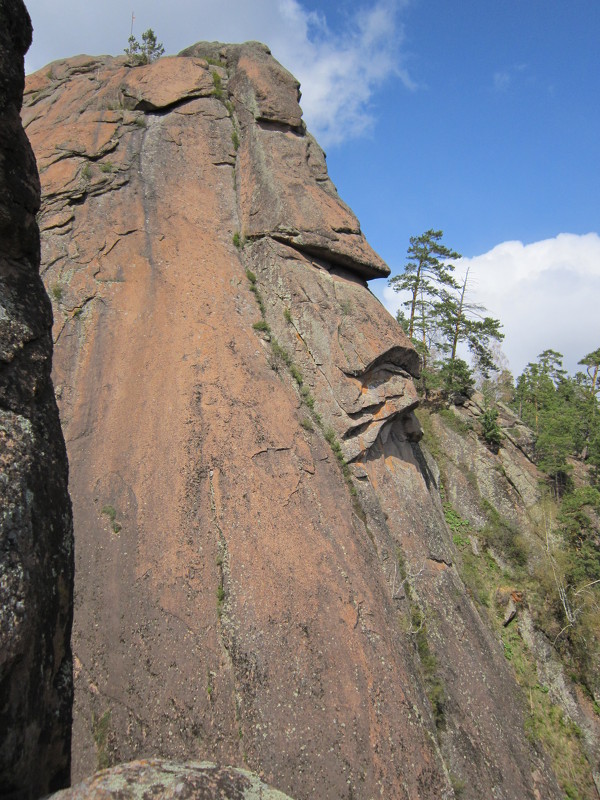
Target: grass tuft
x,y
100,731
217,86
296,374
262,325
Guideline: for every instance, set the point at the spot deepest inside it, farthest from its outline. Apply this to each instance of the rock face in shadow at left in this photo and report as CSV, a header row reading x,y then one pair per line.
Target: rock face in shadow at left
x,y
36,557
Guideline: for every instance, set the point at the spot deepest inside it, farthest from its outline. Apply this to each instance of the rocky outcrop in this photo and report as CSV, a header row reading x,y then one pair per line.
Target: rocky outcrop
x,y
251,502
508,480
503,509
36,570
285,191
171,781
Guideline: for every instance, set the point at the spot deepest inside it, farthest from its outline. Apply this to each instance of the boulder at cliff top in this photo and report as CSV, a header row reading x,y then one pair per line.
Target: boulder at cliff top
x,y
246,471
36,570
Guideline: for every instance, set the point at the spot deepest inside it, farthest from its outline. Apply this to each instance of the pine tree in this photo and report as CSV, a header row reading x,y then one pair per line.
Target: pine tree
x,y
536,387
457,378
490,430
563,412
144,53
592,362
427,273
554,444
593,456
463,321
589,429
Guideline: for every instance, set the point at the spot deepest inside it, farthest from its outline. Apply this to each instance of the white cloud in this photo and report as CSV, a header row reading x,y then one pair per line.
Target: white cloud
x,y
545,294
339,73
501,81
340,63
504,78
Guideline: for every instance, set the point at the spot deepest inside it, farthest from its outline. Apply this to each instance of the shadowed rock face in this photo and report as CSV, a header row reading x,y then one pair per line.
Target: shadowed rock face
x,y
36,570
234,599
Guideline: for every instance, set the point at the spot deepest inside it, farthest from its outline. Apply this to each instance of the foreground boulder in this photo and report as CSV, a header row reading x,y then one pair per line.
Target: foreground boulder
x,y
171,781
36,560
265,577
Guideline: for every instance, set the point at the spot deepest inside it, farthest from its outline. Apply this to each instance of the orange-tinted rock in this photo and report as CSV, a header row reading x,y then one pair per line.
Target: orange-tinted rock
x,y
284,188
235,600
260,84
346,344
167,82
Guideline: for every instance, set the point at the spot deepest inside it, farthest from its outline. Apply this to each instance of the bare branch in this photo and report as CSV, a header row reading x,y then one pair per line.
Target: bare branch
x,y
583,588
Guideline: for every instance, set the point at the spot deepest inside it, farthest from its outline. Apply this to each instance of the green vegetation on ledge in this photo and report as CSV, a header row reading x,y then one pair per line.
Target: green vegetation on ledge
x,y
544,720
100,733
146,52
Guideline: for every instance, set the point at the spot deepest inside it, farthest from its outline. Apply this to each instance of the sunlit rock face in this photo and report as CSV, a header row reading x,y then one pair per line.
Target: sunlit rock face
x,y
36,570
218,354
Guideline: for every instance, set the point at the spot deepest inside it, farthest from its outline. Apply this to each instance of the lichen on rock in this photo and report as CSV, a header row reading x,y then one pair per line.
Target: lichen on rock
x,y
167,780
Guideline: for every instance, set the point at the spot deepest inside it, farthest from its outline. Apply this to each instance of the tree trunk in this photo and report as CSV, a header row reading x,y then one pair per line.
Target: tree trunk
x,y
458,319
411,322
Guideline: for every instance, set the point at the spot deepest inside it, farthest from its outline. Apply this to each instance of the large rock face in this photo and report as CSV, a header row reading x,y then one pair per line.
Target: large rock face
x,y
240,596
36,570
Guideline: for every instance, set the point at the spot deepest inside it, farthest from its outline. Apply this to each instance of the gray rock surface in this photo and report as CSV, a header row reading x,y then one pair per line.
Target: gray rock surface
x,y
36,571
168,780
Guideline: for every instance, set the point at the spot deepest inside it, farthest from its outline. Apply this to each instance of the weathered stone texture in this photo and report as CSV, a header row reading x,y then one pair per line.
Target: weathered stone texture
x,y
285,191
36,570
168,780
235,601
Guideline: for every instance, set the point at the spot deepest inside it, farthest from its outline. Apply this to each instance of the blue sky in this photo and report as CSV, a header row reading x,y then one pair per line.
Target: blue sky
x,y
478,117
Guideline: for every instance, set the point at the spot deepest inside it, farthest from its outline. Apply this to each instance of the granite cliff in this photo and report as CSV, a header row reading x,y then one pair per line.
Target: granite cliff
x,y
265,576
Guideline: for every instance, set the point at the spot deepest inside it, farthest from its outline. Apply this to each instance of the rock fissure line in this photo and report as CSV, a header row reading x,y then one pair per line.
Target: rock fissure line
x,y
223,596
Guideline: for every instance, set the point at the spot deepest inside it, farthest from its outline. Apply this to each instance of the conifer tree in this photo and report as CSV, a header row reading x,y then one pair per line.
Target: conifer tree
x,y
427,273
536,387
144,53
461,320
490,429
589,429
561,412
457,377
592,362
